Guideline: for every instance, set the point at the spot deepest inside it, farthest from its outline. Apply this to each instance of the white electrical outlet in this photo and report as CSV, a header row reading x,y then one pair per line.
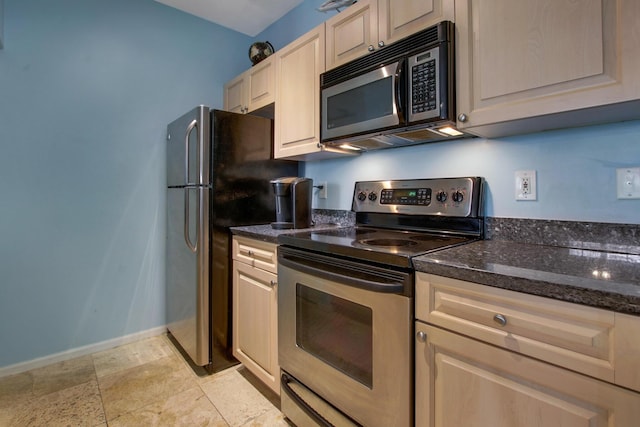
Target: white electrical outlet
x,y
526,188
322,194
628,183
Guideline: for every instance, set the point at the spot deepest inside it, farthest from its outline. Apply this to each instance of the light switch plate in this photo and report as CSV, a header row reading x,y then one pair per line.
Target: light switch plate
x,y
628,183
526,188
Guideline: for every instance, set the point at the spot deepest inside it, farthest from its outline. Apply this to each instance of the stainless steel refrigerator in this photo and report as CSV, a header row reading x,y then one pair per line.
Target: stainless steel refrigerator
x,y
219,165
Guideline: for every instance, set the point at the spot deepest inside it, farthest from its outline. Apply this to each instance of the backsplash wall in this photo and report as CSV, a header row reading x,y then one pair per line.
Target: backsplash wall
x,y
576,171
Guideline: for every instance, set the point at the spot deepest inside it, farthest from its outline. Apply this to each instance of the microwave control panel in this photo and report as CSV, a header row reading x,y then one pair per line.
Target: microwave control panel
x,y
424,93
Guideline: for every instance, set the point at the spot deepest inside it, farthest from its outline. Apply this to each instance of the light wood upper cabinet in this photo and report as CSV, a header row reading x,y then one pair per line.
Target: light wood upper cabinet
x,y
398,19
235,98
253,89
352,33
297,108
369,25
525,66
255,309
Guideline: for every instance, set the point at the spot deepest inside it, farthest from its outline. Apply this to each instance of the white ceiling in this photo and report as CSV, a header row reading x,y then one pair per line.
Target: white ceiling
x,y
246,16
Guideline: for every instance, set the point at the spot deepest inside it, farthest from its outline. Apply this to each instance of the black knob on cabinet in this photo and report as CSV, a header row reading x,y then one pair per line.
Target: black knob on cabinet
x,y
362,196
373,196
457,196
441,196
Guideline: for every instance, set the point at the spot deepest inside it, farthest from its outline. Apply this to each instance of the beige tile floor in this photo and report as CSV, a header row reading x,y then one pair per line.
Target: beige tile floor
x,y
146,383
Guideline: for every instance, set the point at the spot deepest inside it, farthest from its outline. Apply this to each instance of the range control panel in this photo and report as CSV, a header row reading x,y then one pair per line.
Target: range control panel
x,y
458,197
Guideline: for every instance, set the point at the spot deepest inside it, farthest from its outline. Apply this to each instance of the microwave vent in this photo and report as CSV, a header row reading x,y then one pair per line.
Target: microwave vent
x,y
420,135
442,32
380,141
402,138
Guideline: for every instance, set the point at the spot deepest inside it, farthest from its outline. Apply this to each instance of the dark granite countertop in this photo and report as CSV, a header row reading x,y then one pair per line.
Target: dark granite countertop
x,y
609,280
324,219
570,261
268,234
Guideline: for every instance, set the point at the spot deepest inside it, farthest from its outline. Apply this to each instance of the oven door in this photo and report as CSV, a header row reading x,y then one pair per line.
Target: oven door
x,y
345,335
362,104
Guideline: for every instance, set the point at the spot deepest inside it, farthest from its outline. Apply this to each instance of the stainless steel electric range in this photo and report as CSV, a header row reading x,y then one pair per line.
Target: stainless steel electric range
x,y
345,308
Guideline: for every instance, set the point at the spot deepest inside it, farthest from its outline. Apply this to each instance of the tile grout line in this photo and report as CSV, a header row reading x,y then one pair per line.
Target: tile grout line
x,y
95,373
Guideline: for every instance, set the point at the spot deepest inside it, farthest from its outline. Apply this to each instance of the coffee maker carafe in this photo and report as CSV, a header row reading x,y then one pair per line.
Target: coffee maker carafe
x,y
293,202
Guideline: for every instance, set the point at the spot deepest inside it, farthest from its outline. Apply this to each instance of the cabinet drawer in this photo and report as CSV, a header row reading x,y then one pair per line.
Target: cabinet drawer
x,y
577,337
257,253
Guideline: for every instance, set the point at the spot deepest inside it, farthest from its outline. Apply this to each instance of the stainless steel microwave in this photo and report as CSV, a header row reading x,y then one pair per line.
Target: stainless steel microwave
x,y
402,94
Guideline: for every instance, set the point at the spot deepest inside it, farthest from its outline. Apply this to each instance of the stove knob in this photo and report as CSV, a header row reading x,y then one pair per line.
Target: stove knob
x,y
457,196
373,196
362,196
441,196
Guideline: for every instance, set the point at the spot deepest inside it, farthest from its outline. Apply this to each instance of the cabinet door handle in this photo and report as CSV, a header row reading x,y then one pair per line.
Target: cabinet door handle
x,y
500,319
371,48
462,117
380,43
273,283
421,336
250,253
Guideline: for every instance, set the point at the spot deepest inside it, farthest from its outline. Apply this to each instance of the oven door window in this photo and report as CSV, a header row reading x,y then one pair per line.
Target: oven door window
x,y
337,331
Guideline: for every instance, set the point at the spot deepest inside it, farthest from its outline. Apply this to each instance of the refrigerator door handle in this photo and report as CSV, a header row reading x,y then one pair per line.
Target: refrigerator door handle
x,y
187,238
192,125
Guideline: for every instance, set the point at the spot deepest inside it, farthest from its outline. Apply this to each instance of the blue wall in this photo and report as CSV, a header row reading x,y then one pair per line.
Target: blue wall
x,y
86,90
575,168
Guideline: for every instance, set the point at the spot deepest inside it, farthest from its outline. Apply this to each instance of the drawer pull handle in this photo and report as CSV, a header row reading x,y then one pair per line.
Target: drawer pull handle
x,y
273,283
421,336
250,253
500,319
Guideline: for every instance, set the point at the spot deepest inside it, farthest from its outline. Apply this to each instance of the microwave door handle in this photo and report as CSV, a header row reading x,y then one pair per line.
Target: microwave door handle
x,y
400,87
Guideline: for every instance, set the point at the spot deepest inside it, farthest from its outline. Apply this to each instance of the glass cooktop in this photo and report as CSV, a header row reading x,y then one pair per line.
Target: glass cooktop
x,y
385,246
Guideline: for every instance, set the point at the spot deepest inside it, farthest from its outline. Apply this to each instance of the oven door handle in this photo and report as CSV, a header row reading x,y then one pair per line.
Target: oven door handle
x,y
369,278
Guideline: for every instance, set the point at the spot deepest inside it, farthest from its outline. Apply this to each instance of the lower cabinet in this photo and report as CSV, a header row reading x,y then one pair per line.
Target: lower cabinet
x,y
461,382
486,356
255,309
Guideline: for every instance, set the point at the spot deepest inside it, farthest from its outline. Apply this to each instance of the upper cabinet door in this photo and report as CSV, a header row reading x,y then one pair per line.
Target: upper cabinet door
x,y
369,25
297,108
262,83
398,19
252,89
525,66
352,33
235,94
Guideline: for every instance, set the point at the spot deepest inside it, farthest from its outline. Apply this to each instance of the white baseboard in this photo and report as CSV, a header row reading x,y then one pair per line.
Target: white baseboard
x,y
79,351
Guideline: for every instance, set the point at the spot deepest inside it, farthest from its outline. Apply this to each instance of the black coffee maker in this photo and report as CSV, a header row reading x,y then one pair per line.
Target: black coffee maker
x,y
293,202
